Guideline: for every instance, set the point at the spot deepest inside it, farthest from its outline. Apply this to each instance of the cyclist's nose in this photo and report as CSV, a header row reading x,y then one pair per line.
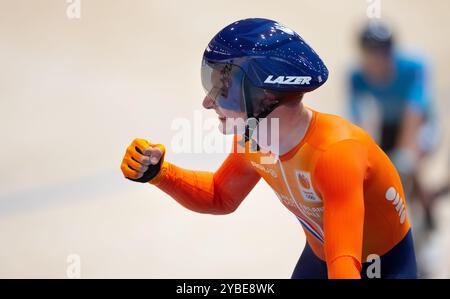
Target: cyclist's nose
x,y
208,103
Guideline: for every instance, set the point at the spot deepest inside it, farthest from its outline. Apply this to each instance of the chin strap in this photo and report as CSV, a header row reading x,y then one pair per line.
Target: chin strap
x,y
251,122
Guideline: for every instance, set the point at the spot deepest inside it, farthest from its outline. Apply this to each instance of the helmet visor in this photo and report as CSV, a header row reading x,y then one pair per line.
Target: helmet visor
x,y
223,83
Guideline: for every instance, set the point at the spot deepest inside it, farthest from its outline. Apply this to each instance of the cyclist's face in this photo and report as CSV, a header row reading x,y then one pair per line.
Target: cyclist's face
x,y
221,86
231,122
377,64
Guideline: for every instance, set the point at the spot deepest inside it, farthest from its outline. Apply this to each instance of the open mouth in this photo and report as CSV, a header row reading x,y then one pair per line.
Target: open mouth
x,y
222,118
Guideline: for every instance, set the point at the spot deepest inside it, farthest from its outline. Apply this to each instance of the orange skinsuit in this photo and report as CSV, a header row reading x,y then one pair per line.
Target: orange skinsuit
x,y
340,185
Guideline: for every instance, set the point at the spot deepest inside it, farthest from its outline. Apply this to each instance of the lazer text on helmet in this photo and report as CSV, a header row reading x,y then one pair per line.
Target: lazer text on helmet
x,y
288,80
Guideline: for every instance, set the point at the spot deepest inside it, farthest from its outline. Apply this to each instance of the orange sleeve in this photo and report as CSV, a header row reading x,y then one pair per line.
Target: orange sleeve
x,y
206,192
340,173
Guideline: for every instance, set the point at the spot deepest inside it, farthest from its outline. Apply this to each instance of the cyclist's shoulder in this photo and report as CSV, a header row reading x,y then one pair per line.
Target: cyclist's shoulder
x,y
331,129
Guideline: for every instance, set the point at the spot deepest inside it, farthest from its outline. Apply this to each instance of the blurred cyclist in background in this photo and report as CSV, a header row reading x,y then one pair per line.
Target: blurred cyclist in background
x,y
396,87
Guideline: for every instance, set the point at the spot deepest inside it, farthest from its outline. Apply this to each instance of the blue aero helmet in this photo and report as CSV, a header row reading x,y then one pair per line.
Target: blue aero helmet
x,y
252,64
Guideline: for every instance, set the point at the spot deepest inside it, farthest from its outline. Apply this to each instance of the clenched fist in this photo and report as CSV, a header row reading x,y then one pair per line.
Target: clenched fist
x,y
142,160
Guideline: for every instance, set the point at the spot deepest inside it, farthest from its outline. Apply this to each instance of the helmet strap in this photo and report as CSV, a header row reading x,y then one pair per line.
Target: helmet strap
x,y
252,121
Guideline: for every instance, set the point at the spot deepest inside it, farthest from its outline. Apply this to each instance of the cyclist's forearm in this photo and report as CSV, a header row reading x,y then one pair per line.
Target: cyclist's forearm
x,y
195,190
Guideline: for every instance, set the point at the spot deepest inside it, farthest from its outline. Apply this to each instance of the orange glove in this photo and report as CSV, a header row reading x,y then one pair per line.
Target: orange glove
x,y
142,160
